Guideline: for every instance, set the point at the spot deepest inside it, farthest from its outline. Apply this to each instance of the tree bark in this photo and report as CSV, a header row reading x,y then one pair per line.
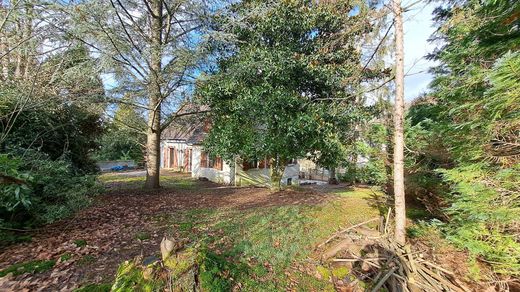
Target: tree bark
x,y
153,143
277,170
399,193
4,48
332,176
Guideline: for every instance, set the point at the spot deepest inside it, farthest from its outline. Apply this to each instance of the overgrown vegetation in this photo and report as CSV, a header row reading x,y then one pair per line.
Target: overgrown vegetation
x,y
466,131
47,135
124,136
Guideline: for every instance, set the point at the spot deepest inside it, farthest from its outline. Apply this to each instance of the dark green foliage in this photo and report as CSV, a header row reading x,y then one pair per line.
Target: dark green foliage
x,y
37,266
124,137
65,257
466,135
211,268
269,97
47,190
61,120
80,242
48,129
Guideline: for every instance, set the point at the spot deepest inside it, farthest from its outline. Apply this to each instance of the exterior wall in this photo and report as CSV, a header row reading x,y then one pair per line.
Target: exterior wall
x,y
166,154
262,176
309,170
254,176
219,176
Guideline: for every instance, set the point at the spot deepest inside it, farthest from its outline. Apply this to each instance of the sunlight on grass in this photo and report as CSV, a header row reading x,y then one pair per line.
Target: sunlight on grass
x,y
256,247
168,180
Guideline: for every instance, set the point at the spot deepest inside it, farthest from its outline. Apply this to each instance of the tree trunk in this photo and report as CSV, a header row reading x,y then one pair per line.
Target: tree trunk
x,y
31,49
277,170
332,176
153,152
399,194
153,143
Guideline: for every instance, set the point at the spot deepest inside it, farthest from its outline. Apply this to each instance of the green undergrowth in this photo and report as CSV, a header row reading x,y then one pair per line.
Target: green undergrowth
x,y
104,287
254,248
37,266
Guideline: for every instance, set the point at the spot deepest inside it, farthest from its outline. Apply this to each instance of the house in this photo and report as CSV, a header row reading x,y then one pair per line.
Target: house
x,y
182,150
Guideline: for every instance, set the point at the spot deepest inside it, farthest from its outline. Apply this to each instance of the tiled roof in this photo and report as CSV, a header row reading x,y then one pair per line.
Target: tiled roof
x,y
190,129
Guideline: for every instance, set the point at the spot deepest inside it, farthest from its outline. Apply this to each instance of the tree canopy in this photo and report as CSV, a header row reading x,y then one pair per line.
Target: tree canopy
x,y
273,93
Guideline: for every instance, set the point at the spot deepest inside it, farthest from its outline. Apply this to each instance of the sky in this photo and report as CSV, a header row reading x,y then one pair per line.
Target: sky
x,y
417,29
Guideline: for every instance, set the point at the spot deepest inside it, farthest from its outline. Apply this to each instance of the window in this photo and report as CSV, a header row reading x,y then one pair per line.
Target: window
x,y
218,165
211,161
203,159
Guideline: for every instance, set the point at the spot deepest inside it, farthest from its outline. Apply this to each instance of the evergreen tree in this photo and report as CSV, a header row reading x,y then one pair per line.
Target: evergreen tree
x,y
475,108
277,88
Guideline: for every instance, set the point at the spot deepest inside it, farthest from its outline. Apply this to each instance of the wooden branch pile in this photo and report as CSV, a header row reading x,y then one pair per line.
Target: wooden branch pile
x,y
402,270
396,267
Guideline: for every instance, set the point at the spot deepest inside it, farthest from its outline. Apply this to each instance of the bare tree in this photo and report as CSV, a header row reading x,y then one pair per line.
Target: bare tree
x,y
399,193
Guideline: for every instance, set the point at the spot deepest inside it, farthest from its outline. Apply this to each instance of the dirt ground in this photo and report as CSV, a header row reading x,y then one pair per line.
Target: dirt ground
x,y
110,226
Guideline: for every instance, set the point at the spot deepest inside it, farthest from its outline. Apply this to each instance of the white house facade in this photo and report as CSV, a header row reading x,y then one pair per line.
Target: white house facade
x,y
181,150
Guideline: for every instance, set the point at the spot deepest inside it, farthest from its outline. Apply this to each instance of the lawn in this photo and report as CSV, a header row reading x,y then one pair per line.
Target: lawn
x,y
251,238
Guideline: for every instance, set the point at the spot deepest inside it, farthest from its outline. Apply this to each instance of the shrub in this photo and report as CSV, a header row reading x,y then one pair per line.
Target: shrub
x,y
38,190
373,173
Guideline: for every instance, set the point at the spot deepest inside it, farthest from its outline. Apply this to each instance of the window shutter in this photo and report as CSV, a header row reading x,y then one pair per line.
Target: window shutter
x,y
204,159
218,163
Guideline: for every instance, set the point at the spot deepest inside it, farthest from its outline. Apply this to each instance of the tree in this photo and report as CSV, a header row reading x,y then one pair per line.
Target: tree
x,y
274,94
62,118
151,49
124,136
473,106
49,119
398,158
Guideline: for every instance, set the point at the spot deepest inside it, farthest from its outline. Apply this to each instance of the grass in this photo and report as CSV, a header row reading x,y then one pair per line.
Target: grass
x,y
65,257
256,247
37,266
177,180
104,287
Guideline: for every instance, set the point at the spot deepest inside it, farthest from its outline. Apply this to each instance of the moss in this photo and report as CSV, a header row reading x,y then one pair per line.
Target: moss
x,y
80,242
132,277
65,257
340,272
181,262
37,266
103,287
142,235
324,272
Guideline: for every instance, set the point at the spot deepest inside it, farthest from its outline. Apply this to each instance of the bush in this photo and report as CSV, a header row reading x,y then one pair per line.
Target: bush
x,y
484,214
373,173
38,190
